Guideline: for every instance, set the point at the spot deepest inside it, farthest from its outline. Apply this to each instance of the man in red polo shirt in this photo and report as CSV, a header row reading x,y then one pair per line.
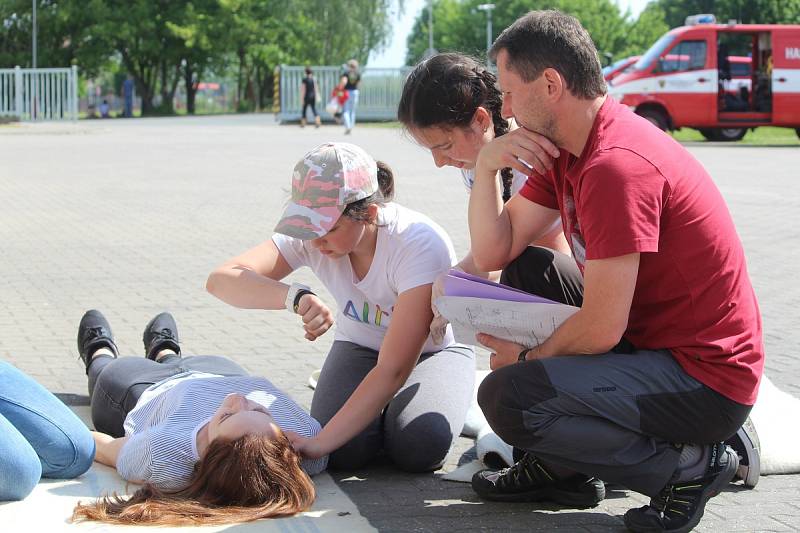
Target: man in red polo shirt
x,y
662,361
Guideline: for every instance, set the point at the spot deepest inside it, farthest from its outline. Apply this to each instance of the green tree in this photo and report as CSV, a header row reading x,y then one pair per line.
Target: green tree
x,y
744,11
62,36
460,26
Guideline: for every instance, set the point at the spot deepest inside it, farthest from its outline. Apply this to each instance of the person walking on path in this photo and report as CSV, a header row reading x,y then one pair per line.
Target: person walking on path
x,y
663,360
351,79
207,440
309,96
40,437
385,384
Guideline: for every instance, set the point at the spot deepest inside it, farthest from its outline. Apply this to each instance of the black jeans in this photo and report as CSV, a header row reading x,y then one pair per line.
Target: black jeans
x,y
115,385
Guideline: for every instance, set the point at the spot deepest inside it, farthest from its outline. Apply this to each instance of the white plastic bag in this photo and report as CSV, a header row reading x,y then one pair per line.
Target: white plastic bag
x,y
332,106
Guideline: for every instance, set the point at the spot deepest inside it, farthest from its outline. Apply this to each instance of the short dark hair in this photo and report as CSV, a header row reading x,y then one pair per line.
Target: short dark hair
x,y
551,39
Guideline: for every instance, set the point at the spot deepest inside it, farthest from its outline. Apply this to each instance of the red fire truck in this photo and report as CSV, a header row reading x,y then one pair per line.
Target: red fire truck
x,y
691,78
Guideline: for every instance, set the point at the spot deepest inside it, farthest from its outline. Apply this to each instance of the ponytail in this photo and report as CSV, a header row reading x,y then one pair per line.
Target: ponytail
x,y
358,210
385,181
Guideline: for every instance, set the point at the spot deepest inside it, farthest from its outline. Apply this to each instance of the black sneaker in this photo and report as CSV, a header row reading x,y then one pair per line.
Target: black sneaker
x,y
748,447
529,481
679,506
94,332
161,333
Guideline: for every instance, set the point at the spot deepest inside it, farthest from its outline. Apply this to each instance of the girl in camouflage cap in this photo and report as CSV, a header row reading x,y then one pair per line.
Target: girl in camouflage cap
x,y
386,384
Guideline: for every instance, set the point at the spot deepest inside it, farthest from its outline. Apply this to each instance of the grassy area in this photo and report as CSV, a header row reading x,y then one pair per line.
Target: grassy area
x,y
766,135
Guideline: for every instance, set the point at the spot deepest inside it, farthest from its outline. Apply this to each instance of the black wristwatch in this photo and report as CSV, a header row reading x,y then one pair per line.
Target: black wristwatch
x,y
523,354
300,294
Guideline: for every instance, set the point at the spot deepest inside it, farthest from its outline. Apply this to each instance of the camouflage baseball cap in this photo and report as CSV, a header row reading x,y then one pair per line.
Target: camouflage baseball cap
x,y
324,182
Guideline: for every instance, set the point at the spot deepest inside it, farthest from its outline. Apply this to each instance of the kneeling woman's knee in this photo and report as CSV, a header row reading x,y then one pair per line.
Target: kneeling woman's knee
x,y
421,445
68,456
19,473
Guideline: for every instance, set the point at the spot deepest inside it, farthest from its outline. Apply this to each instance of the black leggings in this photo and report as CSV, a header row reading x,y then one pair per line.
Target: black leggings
x,y
115,385
309,103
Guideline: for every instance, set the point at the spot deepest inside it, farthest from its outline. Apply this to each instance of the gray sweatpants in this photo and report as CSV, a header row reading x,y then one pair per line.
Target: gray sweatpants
x,y
418,426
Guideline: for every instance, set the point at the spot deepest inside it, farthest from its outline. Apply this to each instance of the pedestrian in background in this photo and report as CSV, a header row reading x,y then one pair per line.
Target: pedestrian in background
x,y
351,80
309,95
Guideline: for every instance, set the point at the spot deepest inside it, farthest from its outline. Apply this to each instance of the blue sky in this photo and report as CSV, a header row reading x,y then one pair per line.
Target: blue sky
x,y
395,53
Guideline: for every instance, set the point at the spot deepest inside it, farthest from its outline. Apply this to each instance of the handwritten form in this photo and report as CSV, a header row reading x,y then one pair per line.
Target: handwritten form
x,y
475,305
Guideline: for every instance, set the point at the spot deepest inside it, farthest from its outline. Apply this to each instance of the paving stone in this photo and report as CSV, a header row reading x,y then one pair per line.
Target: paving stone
x,y
130,217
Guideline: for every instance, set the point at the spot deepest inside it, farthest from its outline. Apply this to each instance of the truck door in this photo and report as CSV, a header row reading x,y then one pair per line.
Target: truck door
x,y
687,78
786,76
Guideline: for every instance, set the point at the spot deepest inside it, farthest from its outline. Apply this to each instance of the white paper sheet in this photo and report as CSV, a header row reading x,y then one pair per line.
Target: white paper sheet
x,y
528,324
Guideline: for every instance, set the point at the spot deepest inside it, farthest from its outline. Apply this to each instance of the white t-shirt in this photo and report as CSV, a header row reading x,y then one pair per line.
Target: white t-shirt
x,y
518,179
411,250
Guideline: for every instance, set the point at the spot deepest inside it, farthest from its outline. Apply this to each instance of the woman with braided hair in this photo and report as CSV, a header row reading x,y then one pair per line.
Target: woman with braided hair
x,y
451,105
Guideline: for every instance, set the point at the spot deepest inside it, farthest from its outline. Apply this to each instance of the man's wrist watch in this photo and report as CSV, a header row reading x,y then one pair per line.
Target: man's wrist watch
x,y
296,291
522,357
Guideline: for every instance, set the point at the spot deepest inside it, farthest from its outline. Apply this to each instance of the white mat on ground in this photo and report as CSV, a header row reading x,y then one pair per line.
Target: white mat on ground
x,y
771,416
50,505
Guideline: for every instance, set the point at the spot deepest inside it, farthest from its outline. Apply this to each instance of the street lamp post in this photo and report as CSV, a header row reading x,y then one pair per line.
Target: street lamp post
x,y
33,37
431,51
488,8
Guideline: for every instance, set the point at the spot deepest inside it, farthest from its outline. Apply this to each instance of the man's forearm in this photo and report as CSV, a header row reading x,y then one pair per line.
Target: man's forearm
x,y
578,335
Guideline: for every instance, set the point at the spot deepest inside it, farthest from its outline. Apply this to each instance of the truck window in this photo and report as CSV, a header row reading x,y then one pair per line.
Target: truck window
x,y
654,51
740,70
687,55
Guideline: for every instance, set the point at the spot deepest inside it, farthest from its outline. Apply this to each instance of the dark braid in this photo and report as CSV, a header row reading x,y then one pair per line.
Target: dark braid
x,y
494,105
445,90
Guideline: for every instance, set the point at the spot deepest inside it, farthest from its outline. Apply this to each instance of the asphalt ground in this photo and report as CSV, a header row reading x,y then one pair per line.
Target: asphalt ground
x,y
130,216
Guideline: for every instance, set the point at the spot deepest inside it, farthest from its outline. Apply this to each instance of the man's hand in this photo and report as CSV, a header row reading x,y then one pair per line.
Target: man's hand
x,y
503,352
307,447
517,148
317,318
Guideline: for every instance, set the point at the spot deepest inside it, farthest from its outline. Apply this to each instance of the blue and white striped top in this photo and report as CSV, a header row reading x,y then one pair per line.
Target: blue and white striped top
x,y
162,428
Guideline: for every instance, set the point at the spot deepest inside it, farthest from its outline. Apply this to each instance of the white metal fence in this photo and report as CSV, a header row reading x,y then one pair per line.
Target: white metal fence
x,y
39,94
378,93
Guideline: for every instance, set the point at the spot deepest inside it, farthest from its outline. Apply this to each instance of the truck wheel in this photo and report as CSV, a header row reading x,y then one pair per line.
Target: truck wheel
x,y
728,134
797,131
708,134
655,117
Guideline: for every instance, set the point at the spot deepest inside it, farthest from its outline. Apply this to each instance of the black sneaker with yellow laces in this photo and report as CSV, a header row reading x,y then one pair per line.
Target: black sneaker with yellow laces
x,y
530,481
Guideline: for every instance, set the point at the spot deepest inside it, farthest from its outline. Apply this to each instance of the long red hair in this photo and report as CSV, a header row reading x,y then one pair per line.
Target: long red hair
x,y
240,480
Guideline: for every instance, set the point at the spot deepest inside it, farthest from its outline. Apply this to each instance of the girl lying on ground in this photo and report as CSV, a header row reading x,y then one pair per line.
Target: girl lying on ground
x,y
204,438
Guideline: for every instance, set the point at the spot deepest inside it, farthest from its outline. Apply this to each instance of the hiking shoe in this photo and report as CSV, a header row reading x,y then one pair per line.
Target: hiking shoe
x,y
161,333
94,332
679,507
748,447
529,481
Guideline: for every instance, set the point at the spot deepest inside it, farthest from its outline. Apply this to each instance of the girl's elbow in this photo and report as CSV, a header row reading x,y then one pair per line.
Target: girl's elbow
x,y
214,281
211,283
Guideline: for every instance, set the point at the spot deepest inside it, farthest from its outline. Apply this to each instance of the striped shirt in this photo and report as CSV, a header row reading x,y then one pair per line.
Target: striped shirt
x,y
162,429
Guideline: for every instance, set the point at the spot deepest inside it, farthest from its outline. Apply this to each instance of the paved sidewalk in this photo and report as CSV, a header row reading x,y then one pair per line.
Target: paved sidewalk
x,y
131,216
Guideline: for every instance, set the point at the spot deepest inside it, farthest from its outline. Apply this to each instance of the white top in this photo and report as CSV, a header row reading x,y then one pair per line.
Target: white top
x,y
162,428
518,179
411,250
